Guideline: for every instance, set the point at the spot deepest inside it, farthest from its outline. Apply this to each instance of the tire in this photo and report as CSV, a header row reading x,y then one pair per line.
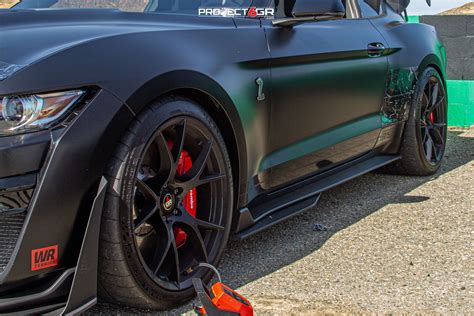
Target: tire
x,y
150,241
424,138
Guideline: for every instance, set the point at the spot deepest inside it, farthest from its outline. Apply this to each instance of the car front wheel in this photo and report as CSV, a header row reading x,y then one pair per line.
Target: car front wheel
x,y
168,207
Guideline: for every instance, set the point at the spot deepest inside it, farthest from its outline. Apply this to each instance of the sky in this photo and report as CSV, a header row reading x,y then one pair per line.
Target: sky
x,y
419,7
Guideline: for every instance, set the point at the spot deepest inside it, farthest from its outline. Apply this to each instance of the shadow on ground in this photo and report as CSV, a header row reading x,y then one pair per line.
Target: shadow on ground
x,y
290,241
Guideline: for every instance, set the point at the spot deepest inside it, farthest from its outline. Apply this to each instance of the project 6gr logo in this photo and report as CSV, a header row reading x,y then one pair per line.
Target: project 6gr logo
x,y
231,12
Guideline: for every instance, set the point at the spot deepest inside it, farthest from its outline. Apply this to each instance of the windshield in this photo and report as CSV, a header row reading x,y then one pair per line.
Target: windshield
x,y
165,6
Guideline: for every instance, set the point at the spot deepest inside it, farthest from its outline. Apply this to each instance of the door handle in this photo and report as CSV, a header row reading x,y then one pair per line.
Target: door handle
x,y
375,49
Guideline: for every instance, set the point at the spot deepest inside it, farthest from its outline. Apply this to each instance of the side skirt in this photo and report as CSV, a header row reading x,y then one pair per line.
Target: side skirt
x,y
304,195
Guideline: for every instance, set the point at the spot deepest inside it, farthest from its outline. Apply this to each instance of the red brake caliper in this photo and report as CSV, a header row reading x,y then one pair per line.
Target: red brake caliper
x,y
184,164
432,117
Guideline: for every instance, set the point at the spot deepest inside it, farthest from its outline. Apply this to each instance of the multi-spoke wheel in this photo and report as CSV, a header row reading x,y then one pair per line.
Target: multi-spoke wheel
x,y
433,120
169,206
424,139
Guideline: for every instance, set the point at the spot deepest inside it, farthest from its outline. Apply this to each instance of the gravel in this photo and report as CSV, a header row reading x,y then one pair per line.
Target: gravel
x,y
390,244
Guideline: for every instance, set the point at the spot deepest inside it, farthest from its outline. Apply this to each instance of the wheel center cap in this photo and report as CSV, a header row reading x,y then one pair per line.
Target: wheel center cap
x,y
168,202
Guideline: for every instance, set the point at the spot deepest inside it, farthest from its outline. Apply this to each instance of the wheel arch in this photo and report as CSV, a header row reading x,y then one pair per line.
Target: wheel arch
x,y
434,61
214,99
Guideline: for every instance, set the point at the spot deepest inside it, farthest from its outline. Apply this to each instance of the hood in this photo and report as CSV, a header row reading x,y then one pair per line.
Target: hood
x,y
28,36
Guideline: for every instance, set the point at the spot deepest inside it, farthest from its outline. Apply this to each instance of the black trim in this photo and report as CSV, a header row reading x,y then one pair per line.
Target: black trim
x,y
22,154
83,293
279,216
57,289
282,205
80,283
52,309
13,184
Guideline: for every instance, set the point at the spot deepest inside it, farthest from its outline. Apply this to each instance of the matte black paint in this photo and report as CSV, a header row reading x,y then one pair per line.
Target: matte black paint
x,y
320,86
319,79
23,154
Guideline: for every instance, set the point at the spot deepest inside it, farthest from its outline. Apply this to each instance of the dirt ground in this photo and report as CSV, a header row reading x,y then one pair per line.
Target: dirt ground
x,y
393,244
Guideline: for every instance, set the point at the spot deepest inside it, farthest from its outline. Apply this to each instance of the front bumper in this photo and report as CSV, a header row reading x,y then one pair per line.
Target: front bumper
x,y
48,182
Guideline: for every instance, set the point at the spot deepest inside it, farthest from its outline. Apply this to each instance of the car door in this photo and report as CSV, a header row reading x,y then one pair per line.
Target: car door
x,y
328,83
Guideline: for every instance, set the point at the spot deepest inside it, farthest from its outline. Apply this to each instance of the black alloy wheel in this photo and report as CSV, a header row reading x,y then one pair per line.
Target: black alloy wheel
x,y
168,208
433,120
171,240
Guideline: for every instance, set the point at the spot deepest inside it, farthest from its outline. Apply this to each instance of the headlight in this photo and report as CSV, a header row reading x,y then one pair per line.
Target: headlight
x,y
20,114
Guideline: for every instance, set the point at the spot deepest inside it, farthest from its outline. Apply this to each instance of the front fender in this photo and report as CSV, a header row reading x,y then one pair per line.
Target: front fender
x,y
66,184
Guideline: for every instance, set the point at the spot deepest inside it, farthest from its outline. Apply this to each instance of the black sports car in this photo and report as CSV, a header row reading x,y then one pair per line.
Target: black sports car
x,y
133,144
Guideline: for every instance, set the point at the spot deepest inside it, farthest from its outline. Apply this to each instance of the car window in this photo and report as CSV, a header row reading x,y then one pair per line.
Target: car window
x,y
192,7
283,8
387,9
279,6
369,10
366,9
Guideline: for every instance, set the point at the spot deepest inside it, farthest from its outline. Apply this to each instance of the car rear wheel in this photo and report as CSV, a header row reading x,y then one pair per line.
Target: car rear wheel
x,y
424,140
168,207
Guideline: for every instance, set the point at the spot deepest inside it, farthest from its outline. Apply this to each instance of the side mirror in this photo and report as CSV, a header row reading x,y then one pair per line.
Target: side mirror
x,y
316,8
